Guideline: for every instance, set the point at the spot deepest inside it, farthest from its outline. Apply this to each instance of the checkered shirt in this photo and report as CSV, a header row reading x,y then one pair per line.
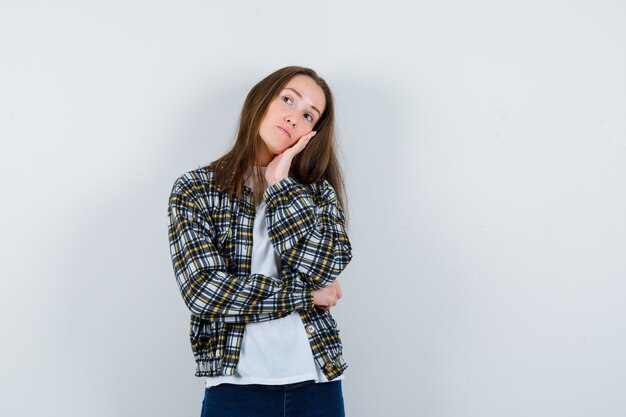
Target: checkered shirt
x,y
210,237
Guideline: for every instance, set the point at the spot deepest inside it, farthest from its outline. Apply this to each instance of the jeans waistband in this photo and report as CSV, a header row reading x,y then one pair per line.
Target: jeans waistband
x,y
278,387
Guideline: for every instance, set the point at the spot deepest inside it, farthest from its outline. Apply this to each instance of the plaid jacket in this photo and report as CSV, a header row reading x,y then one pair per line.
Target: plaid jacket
x,y
210,237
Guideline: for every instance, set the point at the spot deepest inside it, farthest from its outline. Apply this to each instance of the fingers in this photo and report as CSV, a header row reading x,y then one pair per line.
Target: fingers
x,y
303,141
339,292
309,135
332,295
279,167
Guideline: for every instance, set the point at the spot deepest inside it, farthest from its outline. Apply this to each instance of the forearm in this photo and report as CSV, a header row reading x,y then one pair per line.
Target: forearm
x,y
208,290
307,230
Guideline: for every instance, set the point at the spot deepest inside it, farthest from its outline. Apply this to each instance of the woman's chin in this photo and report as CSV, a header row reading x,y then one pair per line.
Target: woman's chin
x,y
278,150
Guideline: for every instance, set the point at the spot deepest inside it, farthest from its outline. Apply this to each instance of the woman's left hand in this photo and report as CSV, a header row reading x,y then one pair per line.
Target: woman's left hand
x,y
278,169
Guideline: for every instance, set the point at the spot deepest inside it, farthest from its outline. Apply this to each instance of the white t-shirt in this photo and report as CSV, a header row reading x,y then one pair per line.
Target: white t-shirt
x,y
278,351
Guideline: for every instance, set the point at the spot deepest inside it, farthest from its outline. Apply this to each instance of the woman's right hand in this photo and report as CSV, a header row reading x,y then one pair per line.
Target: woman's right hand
x,y
327,297
279,167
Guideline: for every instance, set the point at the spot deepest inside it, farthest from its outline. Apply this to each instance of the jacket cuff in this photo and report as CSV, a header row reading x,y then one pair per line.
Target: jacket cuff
x,y
303,290
278,189
308,299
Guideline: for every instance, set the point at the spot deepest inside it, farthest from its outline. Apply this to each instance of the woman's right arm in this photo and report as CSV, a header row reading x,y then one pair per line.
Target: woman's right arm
x,y
207,289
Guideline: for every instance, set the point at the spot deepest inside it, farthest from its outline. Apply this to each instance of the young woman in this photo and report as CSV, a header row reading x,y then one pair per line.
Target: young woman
x,y
258,238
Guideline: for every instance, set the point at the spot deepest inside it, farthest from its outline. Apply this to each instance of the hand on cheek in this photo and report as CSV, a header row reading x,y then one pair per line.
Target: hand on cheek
x,y
278,169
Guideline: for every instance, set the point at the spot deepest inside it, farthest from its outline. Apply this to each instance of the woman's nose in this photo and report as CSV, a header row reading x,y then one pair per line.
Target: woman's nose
x,y
290,120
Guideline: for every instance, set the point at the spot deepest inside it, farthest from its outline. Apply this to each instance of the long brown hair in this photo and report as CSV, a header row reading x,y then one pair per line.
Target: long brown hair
x,y
317,161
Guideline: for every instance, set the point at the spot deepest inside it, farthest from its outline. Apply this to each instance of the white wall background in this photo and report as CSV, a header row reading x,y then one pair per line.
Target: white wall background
x,y
484,145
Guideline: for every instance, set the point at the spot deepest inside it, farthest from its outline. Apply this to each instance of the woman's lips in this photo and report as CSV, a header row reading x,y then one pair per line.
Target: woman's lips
x,y
284,131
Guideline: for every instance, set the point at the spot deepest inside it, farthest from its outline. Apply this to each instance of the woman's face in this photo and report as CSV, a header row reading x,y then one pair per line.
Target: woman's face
x,y
290,115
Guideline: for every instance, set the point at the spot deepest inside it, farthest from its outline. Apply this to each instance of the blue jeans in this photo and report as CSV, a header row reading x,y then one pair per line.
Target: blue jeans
x,y
302,399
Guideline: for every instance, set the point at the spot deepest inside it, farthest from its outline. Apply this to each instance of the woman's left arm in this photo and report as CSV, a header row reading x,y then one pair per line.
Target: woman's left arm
x,y
308,230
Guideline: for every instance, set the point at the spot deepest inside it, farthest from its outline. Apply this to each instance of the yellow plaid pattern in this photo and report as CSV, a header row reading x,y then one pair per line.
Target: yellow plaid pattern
x,y
210,237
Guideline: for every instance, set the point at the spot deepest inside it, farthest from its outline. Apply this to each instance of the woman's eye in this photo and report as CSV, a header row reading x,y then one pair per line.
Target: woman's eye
x,y
288,100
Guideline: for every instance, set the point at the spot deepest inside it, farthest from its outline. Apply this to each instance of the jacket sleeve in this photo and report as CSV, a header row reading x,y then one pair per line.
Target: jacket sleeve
x,y
308,229
207,289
